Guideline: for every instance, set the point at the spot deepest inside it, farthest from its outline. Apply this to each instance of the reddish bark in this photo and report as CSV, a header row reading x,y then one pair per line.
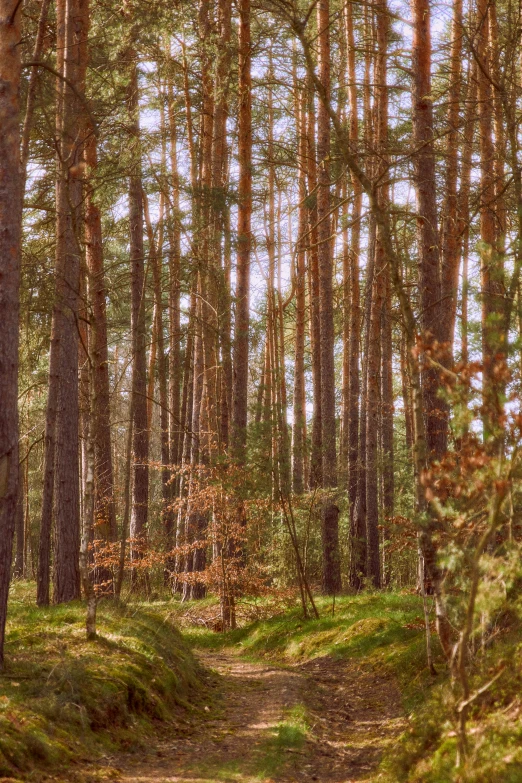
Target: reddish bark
x,y
10,252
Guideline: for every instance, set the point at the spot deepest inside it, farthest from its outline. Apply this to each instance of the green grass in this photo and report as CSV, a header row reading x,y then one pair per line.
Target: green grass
x,y
64,698
381,629
385,631
289,734
427,752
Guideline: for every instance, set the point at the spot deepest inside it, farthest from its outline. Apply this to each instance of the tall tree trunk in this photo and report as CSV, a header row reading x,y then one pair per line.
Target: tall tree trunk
x,y
195,519
316,456
104,502
387,401
220,238
10,251
299,409
32,90
46,520
244,238
331,576
491,259
435,409
355,307
175,336
67,506
155,254
450,245
358,531
140,434
464,201
373,368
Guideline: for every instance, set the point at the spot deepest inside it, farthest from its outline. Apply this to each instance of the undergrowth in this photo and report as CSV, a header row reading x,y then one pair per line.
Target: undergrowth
x,y
63,699
386,631
428,750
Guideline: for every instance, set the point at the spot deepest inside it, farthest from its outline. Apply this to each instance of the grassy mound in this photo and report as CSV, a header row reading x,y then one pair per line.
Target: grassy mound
x,y
428,750
64,698
385,630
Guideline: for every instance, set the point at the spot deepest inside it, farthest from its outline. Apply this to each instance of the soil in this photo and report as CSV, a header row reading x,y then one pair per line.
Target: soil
x,y
352,713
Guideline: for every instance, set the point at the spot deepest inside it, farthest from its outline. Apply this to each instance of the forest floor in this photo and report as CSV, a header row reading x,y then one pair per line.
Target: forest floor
x,y
160,697
328,719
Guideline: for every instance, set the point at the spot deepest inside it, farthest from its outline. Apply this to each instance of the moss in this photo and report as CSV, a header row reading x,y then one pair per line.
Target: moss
x,y
63,697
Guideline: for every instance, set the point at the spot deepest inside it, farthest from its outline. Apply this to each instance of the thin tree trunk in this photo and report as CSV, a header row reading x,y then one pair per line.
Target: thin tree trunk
x,y
244,238
491,260
316,456
19,569
355,306
358,532
331,576
450,245
174,360
299,411
46,520
155,256
140,469
432,316
373,366
104,501
32,89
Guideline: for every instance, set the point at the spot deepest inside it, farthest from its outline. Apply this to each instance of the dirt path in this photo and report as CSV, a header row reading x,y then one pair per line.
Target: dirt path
x,y
327,720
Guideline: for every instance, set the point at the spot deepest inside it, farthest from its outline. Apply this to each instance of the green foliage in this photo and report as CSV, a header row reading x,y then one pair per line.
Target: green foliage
x,y
428,750
63,697
381,629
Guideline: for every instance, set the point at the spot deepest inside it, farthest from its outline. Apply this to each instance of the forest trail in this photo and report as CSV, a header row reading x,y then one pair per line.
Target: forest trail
x,y
326,720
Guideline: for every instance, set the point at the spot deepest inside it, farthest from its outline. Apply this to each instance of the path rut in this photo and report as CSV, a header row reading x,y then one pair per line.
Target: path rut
x,y
252,735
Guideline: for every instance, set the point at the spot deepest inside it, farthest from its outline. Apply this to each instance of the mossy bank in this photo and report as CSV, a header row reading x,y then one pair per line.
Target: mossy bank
x,y
65,700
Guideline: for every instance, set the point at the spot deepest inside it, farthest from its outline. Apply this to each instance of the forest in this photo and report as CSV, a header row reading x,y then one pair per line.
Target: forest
x,y
260,390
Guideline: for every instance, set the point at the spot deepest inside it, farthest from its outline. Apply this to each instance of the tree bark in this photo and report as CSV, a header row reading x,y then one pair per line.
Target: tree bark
x,y
46,520
244,239
10,253
450,244
491,258
299,409
331,577
431,319
316,456
140,468
104,503
67,502
373,368
355,306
